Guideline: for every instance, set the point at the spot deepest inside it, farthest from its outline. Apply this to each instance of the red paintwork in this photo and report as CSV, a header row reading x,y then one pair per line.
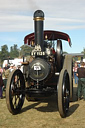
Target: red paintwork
x,y
51,35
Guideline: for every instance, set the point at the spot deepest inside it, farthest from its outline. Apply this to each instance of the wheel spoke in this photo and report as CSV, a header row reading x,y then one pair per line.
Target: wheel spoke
x,y
14,96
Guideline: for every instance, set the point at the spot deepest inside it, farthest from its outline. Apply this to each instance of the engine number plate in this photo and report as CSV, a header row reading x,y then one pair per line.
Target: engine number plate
x,y
37,68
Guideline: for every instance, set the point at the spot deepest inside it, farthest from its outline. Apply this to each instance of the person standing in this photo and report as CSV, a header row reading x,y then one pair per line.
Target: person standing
x,y
4,74
75,73
1,70
1,85
81,81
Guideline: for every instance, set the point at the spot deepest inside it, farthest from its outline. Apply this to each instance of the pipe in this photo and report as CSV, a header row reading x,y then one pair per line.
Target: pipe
x,y
38,25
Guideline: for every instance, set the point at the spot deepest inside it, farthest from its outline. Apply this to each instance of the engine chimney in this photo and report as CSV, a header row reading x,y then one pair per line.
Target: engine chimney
x,y
38,25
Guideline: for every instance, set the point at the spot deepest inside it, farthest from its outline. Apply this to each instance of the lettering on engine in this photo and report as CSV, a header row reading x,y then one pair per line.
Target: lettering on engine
x,y
39,53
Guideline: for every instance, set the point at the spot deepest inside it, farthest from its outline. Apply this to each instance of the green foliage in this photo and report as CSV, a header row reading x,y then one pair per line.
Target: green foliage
x,y
83,52
64,52
4,54
25,50
14,51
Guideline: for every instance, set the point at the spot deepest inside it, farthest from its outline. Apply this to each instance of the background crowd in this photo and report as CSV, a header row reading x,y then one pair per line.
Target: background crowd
x,y
79,77
4,73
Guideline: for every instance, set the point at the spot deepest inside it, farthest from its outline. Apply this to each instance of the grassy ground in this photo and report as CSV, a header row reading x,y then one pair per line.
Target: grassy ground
x,y
43,114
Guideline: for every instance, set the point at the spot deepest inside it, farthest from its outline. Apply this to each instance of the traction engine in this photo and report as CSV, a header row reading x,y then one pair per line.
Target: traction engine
x,y
47,71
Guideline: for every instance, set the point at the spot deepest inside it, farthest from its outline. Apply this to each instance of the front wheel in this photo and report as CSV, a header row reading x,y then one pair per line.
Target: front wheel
x,y
63,93
14,91
68,64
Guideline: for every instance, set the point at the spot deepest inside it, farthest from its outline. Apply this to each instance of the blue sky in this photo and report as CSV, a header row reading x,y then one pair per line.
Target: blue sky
x,y
16,20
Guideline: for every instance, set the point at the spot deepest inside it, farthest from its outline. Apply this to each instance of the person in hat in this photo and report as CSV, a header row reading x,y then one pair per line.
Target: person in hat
x,y
6,74
11,67
81,81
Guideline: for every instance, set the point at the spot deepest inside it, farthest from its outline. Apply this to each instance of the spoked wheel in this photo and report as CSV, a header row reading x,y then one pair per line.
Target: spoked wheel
x,y
59,55
14,91
68,64
63,93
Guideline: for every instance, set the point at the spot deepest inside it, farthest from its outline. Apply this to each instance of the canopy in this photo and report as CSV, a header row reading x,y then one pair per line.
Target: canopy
x,y
49,35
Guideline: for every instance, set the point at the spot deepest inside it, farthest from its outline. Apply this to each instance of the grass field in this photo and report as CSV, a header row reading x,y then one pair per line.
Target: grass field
x,y
43,114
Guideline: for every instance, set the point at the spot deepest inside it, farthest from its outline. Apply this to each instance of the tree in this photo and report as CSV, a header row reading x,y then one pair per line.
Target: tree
x,y
83,52
4,54
25,50
14,51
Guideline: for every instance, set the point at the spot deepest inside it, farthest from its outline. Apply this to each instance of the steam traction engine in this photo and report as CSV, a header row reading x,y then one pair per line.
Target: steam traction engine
x,y
46,72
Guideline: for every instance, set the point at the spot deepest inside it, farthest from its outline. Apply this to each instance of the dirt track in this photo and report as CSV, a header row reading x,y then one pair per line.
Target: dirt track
x,y
44,114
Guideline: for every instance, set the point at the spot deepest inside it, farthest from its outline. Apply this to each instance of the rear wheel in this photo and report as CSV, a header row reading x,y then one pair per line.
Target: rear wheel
x,y
59,55
63,93
14,91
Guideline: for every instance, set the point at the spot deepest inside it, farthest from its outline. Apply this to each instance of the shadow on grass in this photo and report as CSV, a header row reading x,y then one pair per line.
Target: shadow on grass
x,y
51,104
29,107
72,109
50,107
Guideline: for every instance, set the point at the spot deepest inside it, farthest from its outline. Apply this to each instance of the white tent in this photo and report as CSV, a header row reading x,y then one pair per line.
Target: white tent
x,y
83,60
16,62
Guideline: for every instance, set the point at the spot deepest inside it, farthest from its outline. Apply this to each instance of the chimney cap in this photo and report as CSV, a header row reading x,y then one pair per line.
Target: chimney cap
x,y
39,13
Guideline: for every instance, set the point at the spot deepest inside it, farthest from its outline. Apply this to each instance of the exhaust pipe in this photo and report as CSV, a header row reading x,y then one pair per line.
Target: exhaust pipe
x,y
38,26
